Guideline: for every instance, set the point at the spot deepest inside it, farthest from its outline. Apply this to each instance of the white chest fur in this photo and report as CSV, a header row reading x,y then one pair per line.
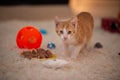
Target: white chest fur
x,y
70,41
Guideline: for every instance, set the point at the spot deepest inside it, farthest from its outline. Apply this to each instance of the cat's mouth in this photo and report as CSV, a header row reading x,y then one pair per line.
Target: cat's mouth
x,y
65,39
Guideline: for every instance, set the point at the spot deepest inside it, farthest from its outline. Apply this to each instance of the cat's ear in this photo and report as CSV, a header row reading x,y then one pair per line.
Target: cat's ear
x,y
74,21
57,21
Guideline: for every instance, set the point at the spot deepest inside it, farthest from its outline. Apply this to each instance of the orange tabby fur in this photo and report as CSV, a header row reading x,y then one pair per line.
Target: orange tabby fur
x,y
78,31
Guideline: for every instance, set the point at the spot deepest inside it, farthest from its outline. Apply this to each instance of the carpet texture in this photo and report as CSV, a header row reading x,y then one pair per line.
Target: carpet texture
x,y
94,64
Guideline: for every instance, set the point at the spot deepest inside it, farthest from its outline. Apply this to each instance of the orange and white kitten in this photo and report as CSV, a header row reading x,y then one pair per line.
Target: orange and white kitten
x,y
76,31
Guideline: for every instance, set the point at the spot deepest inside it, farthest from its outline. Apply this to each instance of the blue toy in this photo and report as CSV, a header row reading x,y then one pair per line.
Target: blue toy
x,y
51,45
43,31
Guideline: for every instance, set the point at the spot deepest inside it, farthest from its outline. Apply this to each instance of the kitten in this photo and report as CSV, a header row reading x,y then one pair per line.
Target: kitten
x,y
76,31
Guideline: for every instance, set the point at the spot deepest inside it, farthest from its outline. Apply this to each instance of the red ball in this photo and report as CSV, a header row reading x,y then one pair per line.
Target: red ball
x,y
29,37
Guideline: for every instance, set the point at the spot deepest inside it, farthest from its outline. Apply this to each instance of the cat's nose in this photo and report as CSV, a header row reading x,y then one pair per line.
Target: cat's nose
x,y
65,38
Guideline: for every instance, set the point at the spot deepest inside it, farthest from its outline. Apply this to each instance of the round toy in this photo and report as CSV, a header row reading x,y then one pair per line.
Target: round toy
x,y
51,45
43,31
98,45
29,37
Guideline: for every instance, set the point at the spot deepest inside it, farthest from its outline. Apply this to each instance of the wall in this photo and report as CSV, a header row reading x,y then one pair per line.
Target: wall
x,y
102,8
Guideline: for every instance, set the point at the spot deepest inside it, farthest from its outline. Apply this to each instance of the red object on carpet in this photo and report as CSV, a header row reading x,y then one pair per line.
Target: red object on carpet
x,y
111,24
29,37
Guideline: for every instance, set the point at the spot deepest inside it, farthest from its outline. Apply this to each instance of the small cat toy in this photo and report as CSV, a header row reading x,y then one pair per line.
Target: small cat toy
x,y
29,37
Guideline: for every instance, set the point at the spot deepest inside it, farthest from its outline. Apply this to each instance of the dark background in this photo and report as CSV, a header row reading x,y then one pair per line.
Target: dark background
x,y
32,2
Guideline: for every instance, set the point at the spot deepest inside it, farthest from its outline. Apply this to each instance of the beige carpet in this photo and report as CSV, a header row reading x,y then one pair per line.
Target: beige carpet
x,y
95,64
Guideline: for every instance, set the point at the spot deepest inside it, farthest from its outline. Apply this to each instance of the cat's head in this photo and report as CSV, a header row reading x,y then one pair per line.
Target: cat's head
x,y
66,29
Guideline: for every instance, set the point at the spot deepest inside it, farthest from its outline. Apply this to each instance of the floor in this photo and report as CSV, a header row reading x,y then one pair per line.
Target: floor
x,y
43,12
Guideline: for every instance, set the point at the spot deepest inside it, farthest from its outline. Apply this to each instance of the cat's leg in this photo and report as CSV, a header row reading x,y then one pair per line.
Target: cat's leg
x,y
83,47
88,45
66,50
76,51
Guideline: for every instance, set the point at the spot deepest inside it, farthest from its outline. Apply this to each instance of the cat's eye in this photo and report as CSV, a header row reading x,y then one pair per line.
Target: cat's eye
x,y
61,32
69,32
